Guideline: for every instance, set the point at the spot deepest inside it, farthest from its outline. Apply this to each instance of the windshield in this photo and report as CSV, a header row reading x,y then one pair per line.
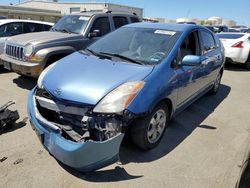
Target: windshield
x,y
71,24
136,45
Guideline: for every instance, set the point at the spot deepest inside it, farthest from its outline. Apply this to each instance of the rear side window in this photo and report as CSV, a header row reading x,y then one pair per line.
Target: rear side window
x,y
101,24
120,21
134,19
230,36
208,41
46,27
32,27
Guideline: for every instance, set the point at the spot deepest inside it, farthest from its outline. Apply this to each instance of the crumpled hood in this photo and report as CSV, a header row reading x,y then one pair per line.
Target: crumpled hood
x,y
87,79
42,37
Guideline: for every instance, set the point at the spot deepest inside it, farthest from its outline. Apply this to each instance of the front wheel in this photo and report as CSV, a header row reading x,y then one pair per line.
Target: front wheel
x,y
216,85
147,132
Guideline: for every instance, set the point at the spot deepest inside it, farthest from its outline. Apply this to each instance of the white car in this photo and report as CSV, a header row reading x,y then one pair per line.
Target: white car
x,y
237,47
11,27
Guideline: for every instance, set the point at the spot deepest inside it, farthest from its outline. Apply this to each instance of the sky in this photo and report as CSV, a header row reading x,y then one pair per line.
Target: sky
x,y
237,10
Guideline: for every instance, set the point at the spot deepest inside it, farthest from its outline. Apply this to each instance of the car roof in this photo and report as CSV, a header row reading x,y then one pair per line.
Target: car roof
x,y
234,33
4,21
165,26
91,13
244,35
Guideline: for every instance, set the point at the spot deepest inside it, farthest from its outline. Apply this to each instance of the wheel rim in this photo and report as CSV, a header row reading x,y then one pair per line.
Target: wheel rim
x,y
217,82
156,126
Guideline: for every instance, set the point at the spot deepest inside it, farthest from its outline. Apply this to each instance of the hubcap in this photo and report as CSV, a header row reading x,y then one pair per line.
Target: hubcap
x,y
156,126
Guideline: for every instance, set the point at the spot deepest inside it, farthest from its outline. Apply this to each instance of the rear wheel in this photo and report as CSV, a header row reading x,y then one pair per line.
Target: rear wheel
x,y
248,62
216,85
147,132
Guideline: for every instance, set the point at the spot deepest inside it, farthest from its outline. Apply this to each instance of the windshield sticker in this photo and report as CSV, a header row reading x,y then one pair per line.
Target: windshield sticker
x,y
83,18
164,32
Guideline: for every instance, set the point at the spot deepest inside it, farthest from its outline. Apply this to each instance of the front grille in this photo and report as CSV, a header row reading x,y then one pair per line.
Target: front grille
x,y
14,51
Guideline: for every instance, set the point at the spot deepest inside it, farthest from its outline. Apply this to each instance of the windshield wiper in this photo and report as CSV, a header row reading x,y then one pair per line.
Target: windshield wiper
x,y
123,57
64,30
97,54
54,29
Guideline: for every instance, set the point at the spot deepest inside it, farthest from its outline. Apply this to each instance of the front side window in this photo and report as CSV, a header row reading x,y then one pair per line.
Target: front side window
x,y
144,45
71,24
120,21
208,41
190,46
46,27
32,27
101,24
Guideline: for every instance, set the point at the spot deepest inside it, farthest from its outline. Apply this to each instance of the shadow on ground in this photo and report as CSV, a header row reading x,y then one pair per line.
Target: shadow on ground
x,y
3,70
178,130
111,175
25,82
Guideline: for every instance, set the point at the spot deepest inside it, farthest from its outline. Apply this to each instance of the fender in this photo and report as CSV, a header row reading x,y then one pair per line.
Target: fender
x,y
48,52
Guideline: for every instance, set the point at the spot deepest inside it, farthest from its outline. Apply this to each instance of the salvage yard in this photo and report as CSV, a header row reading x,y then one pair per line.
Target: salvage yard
x,y
204,146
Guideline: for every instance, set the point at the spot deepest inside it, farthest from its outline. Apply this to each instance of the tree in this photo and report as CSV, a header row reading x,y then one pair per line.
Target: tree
x,y
208,22
203,22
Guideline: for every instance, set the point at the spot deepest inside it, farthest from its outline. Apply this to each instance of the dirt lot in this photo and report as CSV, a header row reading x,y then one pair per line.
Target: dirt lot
x,y
203,147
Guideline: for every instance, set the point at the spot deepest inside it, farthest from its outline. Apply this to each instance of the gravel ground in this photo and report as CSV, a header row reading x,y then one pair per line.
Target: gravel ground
x,y
204,146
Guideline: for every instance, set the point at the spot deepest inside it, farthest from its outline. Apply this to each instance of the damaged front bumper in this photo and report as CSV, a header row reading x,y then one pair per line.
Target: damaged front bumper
x,y
84,156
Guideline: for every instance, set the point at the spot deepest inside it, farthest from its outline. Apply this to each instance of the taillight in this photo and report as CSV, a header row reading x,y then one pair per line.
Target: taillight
x,y
238,45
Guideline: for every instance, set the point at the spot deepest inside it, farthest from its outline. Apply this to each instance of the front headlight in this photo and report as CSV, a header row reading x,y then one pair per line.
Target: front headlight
x,y
40,79
120,98
28,50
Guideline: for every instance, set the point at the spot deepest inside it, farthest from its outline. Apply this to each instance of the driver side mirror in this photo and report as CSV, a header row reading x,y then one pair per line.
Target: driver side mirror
x,y
191,60
95,33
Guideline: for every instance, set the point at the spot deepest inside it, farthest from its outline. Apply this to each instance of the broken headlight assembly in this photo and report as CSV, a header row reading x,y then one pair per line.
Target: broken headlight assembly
x,y
120,98
101,127
103,122
40,79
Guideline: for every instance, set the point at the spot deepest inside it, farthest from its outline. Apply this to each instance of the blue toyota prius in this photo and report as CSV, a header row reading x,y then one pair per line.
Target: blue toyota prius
x,y
132,81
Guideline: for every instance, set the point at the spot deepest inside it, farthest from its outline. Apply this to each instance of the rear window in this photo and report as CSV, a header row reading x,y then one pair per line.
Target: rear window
x,y
229,36
120,21
134,19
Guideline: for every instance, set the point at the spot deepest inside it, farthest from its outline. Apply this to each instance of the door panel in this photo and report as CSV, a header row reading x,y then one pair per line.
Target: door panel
x,y
189,77
211,57
189,83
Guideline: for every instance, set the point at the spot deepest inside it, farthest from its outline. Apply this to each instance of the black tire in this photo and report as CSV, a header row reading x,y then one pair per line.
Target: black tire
x,y
248,63
140,128
216,85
